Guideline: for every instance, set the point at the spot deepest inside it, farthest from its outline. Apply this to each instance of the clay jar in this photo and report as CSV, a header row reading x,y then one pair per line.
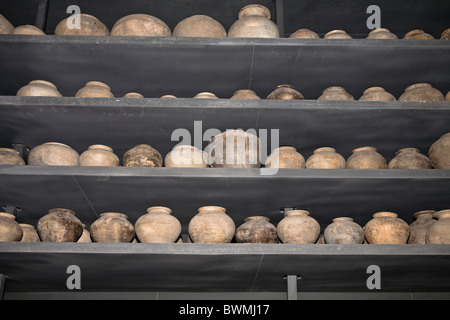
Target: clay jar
x,y
304,34
59,225
337,34
245,94
5,26
30,233
205,95
85,236
445,35
133,95
234,149
285,92
366,158
343,231
254,22
100,156
325,158
28,30
10,230
447,96
376,94
199,26
418,229
439,152
409,158
285,157
89,26
211,225
10,157
95,89
381,33
421,92
141,25
439,232
158,226
53,154
335,93
417,34
112,227
298,227
39,88
142,155
184,156
256,229
386,228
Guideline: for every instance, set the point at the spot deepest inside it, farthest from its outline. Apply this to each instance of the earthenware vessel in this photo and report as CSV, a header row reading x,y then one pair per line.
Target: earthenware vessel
x,y
89,26
10,230
256,229
10,157
439,232
158,226
211,225
366,158
30,233
245,94
142,155
418,34
199,26
445,35
28,30
140,25
6,27
376,94
335,93
184,156
59,225
337,34
53,154
298,227
304,34
421,92
99,155
325,158
39,88
386,228
85,236
418,229
343,230
254,22
285,157
112,227
409,158
285,92
439,152
95,89
381,33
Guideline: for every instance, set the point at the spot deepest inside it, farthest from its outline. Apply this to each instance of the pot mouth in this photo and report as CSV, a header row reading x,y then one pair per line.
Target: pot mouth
x,y
414,32
338,219
424,213
284,86
442,214
418,85
324,149
385,214
379,30
244,91
334,88
100,146
159,209
412,149
374,89
143,146
287,148
61,210
44,82
211,208
367,148
133,95
98,84
254,10
337,31
296,213
9,150
56,144
256,218
114,214
7,215
444,32
168,96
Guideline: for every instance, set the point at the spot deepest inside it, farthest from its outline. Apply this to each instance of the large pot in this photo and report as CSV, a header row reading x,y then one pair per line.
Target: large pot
x,y
10,230
421,92
112,227
95,89
53,154
59,225
185,156
199,26
99,156
419,228
256,229
141,25
409,158
158,226
386,228
211,225
28,30
325,158
335,93
343,230
285,157
376,94
285,92
439,232
298,227
439,152
142,155
89,26
6,27
366,158
10,157
254,22
39,88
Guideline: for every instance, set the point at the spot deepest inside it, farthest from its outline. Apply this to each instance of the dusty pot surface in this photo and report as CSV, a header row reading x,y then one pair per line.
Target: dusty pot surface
x,y
381,33
95,89
409,158
285,92
85,237
30,233
141,25
184,156
418,229
285,157
245,94
447,96
112,227
376,94
325,158
6,27
99,155
304,34
28,30
366,158
421,92
10,157
199,26
298,227
386,228
53,154
417,34
89,26
211,225
439,232
337,34
39,88
344,231
439,152
168,96
254,22
133,95
205,95
10,230
256,229
142,155
158,226
335,93
445,35
59,225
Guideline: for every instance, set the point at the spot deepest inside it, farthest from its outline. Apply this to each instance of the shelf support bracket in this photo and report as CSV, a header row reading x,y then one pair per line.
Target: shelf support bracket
x,y
2,285
41,15
279,7
292,286
22,149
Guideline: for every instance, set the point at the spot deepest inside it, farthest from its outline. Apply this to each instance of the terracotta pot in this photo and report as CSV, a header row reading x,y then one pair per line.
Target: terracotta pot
x,y
285,92
28,30
344,231
337,34
418,229
206,95
386,228
99,156
158,226
376,94
304,34
39,88
417,34
10,230
439,232
325,158
142,155
95,89
285,157
133,95
234,149
381,33
168,96
409,158
445,35
321,239
245,94
366,158
59,225
199,26
184,156
439,152
30,233
53,154
112,227
5,26
335,93
211,225
10,157
141,25
447,96
298,227
256,229
254,22
421,92
89,26
85,236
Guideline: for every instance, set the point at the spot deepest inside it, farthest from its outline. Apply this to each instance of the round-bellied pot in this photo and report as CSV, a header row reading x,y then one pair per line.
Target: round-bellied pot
x,y
10,230
158,226
10,157
447,96
245,94
6,27
142,155
343,230
386,228
439,232
89,26
133,95
28,30
418,34
199,26
30,233
381,33
53,154
184,156
337,34
85,236
376,94
39,88
256,229
285,157
421,92
99,155
168,96
409,158
112,227
140,25
59,225
298,227
285,92
335,93
445,35
211,225
254,22
366,158
95,89
418,229
205,95
439,152
304,34
325,158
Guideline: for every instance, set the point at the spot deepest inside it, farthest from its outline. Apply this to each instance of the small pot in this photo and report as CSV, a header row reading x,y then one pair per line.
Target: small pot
x,y
285,92
89,26
39,88
53,154
142,155
158,226
10,230
28,30
337,34
206,95
285,157
245,94
366,158
199,26
418,229
133,95
184,156
421,92
112,227
325,158
409,158
386,228
254,22
10,157
140,25
30,233
376,94
381,33
59,225
335,93
418,34
99,156
298,227
95,89
439,232
343,231
256,229
6,27
304,34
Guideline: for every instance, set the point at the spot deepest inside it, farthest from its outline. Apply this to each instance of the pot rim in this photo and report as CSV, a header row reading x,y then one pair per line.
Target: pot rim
x,y
297,212
167,96
336,31
412,149
334,88
342,219
112,213
206,94
264,11
324,149
423,212
374,89
379,30
442,214
257,218
159,208
212,208
100,146
364,149
53,210
43,82
7,215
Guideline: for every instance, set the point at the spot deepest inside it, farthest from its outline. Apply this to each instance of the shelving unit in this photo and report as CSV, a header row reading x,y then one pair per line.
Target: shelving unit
x,y
185,67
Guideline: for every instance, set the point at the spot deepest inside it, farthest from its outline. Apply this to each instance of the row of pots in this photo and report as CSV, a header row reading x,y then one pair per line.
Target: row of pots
x,y
242,152
98,89
213,225
253,22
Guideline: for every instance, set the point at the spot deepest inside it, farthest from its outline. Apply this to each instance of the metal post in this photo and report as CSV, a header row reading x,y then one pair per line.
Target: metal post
x,y
279,7
292,287
2,285
41,15
22,149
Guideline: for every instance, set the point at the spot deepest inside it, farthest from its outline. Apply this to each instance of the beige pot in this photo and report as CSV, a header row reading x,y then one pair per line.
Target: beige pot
x,y
28,30
59,225
439,232
418,34
205,95
95,89
5,26
376,94
421,92
142,155
335,93
85,237
168,96
366,158
285,92
10,157
112,227
285,157
133,95
298,227
89,26
199,26
184,156
447,96
304,34
158,226
39,88
10,230
445,35
381,33
211,225
245,94
409,158
256,229
325,158
418,229
30,233
53,154
386,228
439,152
254,22
337,34
99,156
343,230
141,25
